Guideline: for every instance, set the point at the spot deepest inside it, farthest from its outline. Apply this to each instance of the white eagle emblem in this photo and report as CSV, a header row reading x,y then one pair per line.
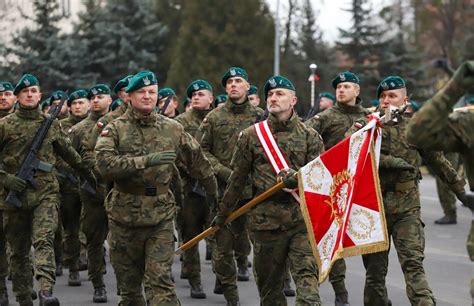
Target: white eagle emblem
x,y
196,86
146,81
272,82
384,85
233,72
26,82
2,88
342,77
94,91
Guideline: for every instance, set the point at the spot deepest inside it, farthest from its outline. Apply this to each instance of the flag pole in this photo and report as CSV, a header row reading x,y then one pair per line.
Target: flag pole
x,y
234,215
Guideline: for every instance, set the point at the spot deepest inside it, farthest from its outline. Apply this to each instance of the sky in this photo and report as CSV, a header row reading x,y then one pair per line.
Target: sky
x,y
330,14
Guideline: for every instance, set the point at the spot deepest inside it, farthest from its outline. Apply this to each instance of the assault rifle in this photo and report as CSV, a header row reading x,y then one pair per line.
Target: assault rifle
x,y
165,106
71,178
31,163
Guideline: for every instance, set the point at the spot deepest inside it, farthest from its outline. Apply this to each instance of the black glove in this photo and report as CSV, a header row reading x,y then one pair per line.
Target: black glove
x,y
399,163
467,199
91,179
13,183
288,177
218,220
160,158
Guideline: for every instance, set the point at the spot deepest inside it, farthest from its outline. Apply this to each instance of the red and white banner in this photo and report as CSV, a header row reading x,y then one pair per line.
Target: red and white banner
x,y
341,199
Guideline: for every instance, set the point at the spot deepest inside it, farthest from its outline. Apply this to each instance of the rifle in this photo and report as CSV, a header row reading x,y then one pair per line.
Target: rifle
x,y
31,163
71,178
312,111
262,117
165,106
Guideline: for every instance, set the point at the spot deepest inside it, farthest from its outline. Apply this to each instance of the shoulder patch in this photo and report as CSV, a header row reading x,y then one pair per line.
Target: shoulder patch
x,y
240,135
205,120
100,125
358,125
316,117
104,133
69,131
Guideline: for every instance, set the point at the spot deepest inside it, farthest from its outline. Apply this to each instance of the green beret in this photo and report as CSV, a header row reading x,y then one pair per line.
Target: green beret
x,y
253,90
220,99
375,102
389,83
327,94
99,89
6,86
58,95
470,100
415,105
197,85
141,79
277,81
186,101
122,83
165,93
116,103
234,72
345,76
78,94
45,103
27,80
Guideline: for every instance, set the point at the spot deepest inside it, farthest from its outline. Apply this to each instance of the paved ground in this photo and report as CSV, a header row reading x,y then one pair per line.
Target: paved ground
x,y
447,264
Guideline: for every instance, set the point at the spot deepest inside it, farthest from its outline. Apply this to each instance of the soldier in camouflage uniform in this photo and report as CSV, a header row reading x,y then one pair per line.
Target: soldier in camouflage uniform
x,y
70,209
446,197
399,175
7,103
136,152
194,215
93,217
435,127
332,124
278,229
35,222
171,110
219,132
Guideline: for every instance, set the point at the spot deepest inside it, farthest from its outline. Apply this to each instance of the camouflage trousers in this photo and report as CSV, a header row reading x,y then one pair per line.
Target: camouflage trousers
x,y
94,226
140,252
22,229
193,218
70,212
272,250
3,257
447,198
408,236
470,251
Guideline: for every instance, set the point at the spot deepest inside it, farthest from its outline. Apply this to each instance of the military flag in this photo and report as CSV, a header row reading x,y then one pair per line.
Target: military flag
x,y
341,199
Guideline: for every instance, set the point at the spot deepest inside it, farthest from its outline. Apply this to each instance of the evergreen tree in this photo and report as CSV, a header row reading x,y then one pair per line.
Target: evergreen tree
x,y
215,35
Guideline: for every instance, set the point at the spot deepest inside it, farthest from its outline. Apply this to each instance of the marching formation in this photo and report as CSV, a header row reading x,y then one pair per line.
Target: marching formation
x,y
78,169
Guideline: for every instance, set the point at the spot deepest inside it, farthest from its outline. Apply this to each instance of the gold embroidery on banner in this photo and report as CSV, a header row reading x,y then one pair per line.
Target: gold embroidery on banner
x,y
315,175
339,192
367,227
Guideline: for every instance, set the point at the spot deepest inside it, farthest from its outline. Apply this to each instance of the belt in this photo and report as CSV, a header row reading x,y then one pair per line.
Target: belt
x,y
141,190
400,186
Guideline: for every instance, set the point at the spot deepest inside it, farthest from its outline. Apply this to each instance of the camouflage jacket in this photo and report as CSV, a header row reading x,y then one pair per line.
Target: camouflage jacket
x,y
16,135
63,169
191,121
299,144
333,123
106,119
4,113
121,154
219,132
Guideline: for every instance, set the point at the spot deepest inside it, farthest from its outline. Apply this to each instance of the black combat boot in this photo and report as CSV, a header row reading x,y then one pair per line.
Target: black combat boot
x,y
208,251
233,303
196,290
74,279
3,298
218,287
59,269
100,295
243,274
342,300
446,220
287,290
46,298
34,295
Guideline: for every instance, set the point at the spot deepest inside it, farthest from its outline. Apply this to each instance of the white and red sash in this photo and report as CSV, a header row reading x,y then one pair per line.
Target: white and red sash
x,y
272,151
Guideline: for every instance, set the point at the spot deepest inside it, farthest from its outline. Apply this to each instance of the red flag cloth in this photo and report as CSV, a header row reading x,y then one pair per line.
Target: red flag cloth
x,y
341,200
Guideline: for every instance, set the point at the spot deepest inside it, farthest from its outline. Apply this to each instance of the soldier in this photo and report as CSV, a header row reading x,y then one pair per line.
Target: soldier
x,y
333,124
435,127
220,100
277,225
326,100
7,103
446,197
399,175
254,99
70,209
137,152
119,90
187,105
55,99
171,110
35,222
194,215
93,217
219,132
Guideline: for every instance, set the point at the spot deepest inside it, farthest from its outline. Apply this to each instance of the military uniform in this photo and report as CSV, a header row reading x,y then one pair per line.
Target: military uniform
x,y
446,197
140,206
219,132
332,124
435,127
276,224
37,219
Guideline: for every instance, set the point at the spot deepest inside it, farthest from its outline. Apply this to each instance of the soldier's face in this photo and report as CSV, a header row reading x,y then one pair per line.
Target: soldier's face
x,y
202,99
29,97
254,100
122,94
144,99
236,89
325,103
347,92
79,107
7,100
64,109
395,97
280,100
100,103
